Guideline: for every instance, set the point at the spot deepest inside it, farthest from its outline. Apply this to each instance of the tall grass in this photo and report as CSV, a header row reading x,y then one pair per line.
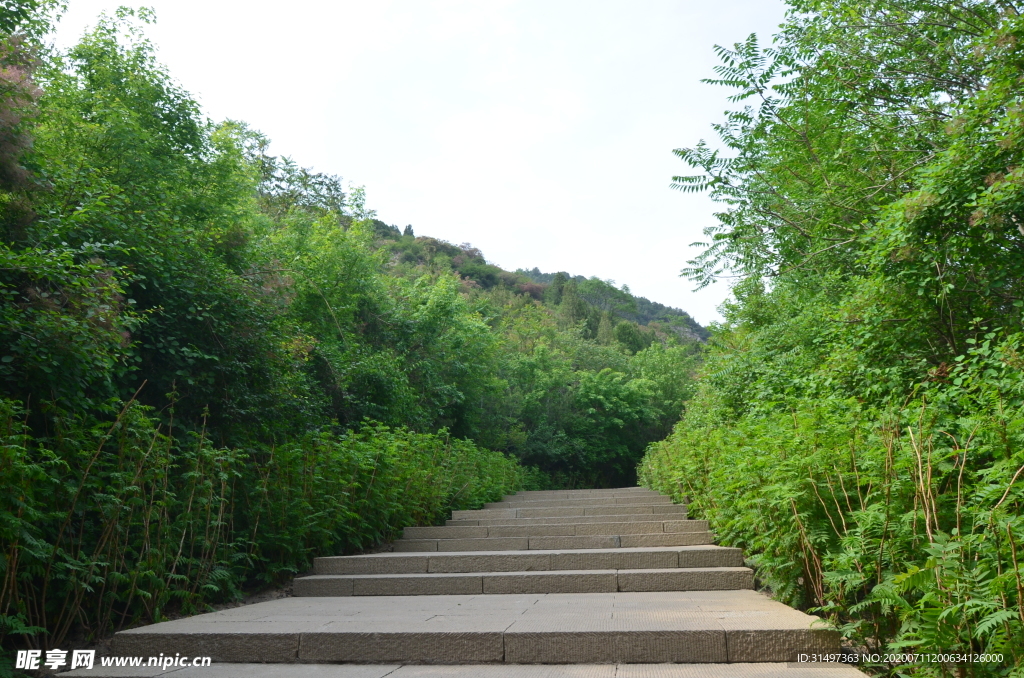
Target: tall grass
x,y
901,523
110,522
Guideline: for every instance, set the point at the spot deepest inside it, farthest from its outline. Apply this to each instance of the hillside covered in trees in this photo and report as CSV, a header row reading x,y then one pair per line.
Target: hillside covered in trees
x,y
858,424
216,364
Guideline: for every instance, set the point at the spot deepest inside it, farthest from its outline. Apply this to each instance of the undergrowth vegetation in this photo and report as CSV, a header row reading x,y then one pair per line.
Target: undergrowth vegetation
x,y
858,424
118,520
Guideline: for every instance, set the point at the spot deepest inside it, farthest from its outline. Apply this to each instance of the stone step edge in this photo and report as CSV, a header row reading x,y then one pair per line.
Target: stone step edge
x,y
570,503
536,560
710,645
553,543
619,670
530,582
563,519
570,511
617,528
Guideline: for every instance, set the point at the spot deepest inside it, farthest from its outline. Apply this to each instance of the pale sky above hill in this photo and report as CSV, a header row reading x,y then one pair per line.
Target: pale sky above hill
x,y
539,131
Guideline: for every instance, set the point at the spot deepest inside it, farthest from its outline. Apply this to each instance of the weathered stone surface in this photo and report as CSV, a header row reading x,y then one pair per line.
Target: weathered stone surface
x,y
708,555
590,542
564,530
675,539
489,544
377,563
633,527
383,646
415,545
550,512
485,562
687,579
552,646
417,585
322,585
616,559
571,520
582,501
554,584
685,525
447,532
750,670
593,581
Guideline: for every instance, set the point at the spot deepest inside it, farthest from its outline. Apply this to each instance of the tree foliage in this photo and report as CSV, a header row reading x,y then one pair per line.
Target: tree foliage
x,y
216,364
856,424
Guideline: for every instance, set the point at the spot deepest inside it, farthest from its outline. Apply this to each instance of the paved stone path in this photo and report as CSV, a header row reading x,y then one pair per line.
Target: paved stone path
x,y
585,583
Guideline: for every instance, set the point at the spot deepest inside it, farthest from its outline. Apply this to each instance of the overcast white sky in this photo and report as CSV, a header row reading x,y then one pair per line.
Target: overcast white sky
x,y
539,131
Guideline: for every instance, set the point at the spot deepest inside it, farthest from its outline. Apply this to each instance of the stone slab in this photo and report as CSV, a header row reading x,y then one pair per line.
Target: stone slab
x,y
562,530
672,626
589,542
539,581
563,581
580,501
687,579
740,670
415,545
376,563
613,559
416,584
322,585
445,532
522,561
446,647
705,555
633,527
674,539
549,512
572,520
674,526
489,544
629,510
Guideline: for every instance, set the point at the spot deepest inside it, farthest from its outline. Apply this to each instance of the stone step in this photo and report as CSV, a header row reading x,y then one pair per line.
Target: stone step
x,y
571,520
552,628
582,501
551,581
555,530
225,670
565,511
536,543
538,561
619,491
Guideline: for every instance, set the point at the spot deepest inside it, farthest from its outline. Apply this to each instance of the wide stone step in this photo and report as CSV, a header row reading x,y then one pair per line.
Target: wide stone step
x,y
539,561
553,628
614,492
555,530
565,511
552,581
762,670
572,520
542,543
582,501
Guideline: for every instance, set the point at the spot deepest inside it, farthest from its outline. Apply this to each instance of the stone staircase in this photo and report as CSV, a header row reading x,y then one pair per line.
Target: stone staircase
x,y
542,584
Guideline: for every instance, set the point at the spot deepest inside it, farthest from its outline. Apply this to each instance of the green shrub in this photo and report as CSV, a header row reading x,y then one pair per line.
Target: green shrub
x,y
111,522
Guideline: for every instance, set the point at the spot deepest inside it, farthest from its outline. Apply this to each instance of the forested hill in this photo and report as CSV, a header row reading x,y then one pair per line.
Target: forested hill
x,y
624,304
411,253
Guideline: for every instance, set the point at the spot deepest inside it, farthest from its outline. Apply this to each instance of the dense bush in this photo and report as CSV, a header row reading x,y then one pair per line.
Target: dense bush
x,y
857,423
216,365
116,520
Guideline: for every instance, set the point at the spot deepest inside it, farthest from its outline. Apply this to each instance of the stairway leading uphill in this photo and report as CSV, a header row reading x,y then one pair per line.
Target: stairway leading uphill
x,y
591,581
